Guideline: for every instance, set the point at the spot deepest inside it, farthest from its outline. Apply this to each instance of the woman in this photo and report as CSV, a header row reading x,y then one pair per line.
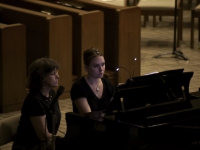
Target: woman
x,y
35,126
92,94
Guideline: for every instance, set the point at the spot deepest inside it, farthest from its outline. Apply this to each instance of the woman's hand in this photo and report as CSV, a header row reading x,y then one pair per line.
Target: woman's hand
x,y
96,115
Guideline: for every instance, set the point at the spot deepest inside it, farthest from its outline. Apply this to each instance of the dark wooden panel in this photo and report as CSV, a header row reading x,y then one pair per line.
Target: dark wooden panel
x,y
122,26
46,36
12,66
87,28
121,35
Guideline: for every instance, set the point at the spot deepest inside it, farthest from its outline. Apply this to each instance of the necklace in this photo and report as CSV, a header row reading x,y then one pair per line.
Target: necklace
x,y
97,89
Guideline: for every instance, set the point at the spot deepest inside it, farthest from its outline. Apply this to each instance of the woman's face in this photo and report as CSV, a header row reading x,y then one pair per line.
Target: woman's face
x,y
51,79
96,67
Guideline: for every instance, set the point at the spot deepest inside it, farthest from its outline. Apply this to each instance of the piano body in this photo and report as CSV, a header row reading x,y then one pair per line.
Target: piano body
x,y
167,123
171,122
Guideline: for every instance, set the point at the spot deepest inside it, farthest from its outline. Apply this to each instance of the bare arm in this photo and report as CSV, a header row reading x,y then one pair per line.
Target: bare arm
x,y
40,126
82,105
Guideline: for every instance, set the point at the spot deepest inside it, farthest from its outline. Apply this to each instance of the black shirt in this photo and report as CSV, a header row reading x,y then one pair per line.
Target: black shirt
x,y
36,104
81,89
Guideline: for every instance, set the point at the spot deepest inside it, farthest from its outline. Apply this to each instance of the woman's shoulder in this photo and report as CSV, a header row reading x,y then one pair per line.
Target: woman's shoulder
x,y
108,83
35,96
35,104
80,83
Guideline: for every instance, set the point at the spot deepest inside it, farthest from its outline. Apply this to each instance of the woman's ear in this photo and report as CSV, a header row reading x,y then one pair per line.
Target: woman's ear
x,y
86,67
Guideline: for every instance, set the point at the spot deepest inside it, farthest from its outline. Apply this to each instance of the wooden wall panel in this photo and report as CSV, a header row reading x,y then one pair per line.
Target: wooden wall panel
x,y
88,27
122,35
12,66
46,36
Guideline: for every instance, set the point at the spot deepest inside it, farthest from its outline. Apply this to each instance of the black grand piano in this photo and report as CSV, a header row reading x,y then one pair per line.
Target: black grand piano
x,y
173,124
170,123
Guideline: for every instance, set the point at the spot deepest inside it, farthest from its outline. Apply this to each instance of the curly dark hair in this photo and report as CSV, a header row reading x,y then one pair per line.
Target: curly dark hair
x,y
38,70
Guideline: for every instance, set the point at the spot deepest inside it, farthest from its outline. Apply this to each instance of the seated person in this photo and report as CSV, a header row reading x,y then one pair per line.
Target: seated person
x,y
35,126
92,93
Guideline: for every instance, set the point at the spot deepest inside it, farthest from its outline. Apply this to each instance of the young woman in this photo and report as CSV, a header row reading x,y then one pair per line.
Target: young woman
x,y
35,126
92,94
